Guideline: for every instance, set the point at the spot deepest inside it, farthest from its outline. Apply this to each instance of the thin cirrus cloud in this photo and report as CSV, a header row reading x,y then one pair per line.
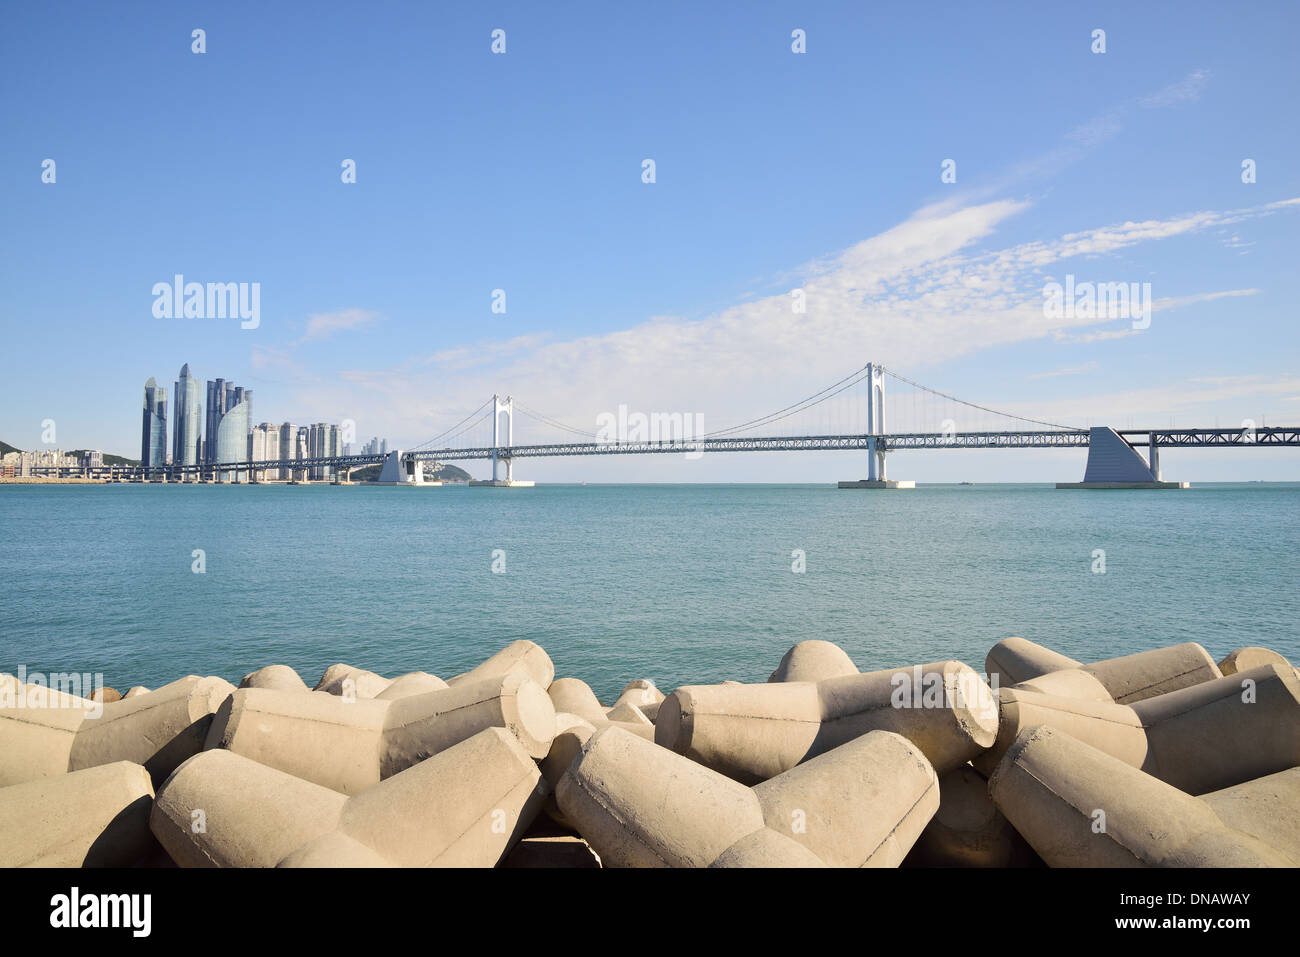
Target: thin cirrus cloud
x,y
1070,370
325,325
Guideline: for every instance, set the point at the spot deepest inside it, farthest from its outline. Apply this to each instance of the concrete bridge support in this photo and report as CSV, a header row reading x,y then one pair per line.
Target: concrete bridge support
x,y
499,405
1114,464
399,470
875,426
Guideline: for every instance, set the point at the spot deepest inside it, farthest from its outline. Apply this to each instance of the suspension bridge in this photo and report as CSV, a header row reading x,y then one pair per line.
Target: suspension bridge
x,y
853,413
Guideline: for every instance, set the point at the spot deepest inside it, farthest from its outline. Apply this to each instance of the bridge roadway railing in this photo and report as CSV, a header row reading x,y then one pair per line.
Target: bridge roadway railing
x,y
887,443
1211,438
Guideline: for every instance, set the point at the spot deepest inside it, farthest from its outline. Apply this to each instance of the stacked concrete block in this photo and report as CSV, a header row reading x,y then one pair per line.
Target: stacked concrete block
x,y
412,683
159,730
1131,678
525,656
755,732
642,694
1203,738
1081,807
1162,758
350,745
814,660
571,733
1251,656
639,805
1266,808
275,677
463,807
1013,660
98,817
346,681
574,696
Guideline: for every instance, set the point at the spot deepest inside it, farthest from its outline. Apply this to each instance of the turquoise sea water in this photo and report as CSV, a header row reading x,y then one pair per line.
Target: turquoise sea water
x,y
681,584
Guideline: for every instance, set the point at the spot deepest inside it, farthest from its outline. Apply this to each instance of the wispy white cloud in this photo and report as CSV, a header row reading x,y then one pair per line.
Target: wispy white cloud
x,y
1186,90
325,325
1071,370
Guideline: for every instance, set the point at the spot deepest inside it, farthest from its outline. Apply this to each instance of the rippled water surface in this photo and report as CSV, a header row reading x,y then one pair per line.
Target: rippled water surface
x,y
681,584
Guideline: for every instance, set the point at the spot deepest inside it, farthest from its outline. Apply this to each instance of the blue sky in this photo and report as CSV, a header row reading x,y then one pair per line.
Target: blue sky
x,y
774,170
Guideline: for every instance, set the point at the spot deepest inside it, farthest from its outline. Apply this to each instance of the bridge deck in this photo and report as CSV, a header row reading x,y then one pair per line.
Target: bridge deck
x,y
1263,437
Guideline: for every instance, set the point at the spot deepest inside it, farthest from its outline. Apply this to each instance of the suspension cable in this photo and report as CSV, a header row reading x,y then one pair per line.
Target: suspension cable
x,y
983,408
437,438
796,407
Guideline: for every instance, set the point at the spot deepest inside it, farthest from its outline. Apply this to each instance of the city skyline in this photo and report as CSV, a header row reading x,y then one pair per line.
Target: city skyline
x,y
922,217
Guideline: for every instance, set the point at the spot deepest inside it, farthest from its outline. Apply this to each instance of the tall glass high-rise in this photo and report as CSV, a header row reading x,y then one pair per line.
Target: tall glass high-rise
x,y
187,411
153,432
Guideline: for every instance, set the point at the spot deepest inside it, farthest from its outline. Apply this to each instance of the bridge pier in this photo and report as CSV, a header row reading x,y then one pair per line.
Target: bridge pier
x,y
876,426
398,470
1114,464
508,407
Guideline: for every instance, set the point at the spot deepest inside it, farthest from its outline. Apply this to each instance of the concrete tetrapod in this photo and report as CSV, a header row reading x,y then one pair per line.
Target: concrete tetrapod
x,y
463,807
159,729
642,694
412,683
814,660
522,655
1267,808
1131,678
1013,660
348,682
276,677
862,804
352,745
1080,807
1251,656
968,830
755,732
1199,739
574,696
639,805
98,817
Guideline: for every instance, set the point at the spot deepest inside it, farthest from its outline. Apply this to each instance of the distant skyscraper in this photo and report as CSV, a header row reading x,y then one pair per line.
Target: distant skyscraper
x,y
264,446
228,422
153,433
187,416
323,441
288,447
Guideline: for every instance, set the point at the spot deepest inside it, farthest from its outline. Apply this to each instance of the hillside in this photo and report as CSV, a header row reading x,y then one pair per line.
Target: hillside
x,y
109,459
443,473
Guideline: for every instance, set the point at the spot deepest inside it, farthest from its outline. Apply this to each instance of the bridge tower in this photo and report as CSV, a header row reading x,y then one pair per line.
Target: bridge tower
x,y
876,429
500,405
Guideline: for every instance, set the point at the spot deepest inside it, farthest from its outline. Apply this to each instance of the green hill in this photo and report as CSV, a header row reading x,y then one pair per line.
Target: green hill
x,y
109,459
6,448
